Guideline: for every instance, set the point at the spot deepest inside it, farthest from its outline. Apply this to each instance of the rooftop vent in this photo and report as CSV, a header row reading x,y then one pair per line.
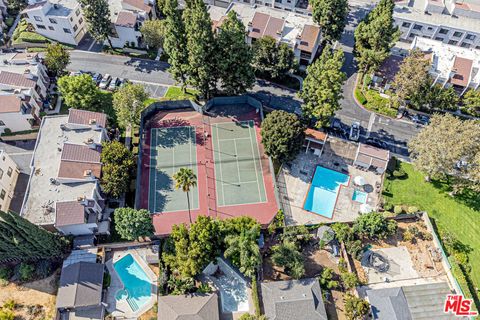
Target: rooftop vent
x,y
89,141
80,199
87,173
92,121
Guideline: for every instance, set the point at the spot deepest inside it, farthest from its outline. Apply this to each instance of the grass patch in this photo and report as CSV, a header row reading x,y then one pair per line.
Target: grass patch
x,y
149,101
371,100
30,37
9,22
458,215
175,93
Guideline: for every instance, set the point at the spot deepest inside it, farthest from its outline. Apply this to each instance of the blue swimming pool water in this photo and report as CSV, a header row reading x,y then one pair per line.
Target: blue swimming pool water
x,y
359,196
323,192
135,281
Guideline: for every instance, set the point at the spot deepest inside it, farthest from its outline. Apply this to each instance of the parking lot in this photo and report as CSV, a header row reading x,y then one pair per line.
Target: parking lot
x,y
154,90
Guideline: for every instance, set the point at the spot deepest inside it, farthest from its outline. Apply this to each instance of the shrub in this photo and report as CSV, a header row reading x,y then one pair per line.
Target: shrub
x,y
349,280
427,236
398,209
107,279
414,231
412,209
373,225
388,207
25,271
326,279
9,304
5,273
354,248
342,265
6,314
399,173
343,232
43,268
408,236
204,288
360,97
255,298
31,37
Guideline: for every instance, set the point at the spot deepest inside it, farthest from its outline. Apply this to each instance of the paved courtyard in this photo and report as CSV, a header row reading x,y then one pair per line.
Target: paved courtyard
x,y
294,182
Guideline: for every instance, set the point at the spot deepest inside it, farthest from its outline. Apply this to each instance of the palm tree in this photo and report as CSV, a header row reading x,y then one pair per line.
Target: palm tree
x,y
243,251
185,179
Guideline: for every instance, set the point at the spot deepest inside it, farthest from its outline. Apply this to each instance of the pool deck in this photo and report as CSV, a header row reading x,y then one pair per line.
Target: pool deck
x,y
295,178
121,309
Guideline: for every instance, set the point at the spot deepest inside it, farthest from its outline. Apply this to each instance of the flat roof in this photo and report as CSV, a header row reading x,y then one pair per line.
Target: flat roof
x,y
42,194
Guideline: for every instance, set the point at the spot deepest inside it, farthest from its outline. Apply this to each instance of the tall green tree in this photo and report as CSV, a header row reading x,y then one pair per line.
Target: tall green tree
x,y
132,224
118,168
331,16
56,58
471,102
153,32
289,256
322,88
243,251
97,15
375,36
128,103
175,43
282,135
79,92
449,148
374,226
355,308
185,179
235,66
270,59
200,47
21,240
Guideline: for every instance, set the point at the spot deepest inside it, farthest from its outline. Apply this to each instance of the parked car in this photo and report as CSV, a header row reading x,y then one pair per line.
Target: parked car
x,y
421,119
75,73
354,131
114,83
376,143
122,82
338,128
105,81
97,77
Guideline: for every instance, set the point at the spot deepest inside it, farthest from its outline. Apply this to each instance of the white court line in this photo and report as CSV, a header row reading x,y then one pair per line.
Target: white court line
x,y
220,164
236,159
155,171
255,165
230,139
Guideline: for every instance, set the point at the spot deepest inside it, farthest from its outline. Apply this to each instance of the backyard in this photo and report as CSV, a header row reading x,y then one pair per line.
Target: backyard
x,y
455,215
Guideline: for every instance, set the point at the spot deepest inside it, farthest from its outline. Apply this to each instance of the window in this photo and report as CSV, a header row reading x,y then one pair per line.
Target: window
x,y
452,42
418,27
465,45
37,18
80,21
9,171
406,24
1,173
41,26
71,19
457,34
439,39
2,194
429,28
51,28
52,20
66,30
75,28
77,12
443,31
412,35
470,37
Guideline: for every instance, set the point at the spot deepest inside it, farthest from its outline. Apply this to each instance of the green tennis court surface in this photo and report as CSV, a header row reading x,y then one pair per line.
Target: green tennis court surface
x,y
238,170
171,149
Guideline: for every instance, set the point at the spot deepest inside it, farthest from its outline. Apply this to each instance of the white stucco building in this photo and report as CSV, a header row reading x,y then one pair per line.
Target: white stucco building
x,y
63,192
23,90
8,178
59,20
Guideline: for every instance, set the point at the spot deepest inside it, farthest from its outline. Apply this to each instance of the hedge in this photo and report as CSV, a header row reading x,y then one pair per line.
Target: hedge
x,y
32,37
360,97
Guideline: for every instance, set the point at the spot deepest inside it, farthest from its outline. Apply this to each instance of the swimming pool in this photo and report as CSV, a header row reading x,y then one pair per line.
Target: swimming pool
x,y
323,191
137,285
359,196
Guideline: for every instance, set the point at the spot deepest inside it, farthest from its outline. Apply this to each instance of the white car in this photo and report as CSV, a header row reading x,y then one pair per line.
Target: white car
x,y
105,81
354,131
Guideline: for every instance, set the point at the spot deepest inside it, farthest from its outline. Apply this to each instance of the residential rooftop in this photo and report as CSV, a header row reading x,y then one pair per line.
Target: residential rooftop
x,y
10,103
44,190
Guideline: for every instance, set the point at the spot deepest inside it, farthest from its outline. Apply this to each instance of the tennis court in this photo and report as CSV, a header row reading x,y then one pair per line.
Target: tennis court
x,y
171,148
238,169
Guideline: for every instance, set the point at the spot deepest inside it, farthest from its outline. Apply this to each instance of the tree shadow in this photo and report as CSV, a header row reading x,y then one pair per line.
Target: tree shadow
x,y
147,66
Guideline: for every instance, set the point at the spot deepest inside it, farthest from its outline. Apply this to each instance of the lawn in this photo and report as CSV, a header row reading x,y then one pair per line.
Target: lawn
x,y
175,93
372,101
459,215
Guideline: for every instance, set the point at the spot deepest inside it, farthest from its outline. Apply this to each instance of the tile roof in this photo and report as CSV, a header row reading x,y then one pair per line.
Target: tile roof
x,y
462,68
372,156
189,307
77,160
15,79
10,103
315,134
308,38
69,212
265,25
293,300
126,19
139,4
80,285
80,153
84,117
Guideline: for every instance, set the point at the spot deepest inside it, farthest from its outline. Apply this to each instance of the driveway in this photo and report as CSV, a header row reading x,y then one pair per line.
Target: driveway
x,y
154,90
89,44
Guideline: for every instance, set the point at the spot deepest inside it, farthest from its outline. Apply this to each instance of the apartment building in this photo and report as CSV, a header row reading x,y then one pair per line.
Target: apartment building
x,y
24,87
451,66
59,20
298,31
9,172
297,6
127,17
63,192
454,22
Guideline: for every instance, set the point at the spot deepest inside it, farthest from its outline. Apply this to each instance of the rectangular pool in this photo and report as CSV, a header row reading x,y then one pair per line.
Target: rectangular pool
x,y
359,196
323,192
137,285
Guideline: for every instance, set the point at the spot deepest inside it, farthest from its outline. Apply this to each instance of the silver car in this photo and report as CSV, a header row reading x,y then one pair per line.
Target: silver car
x,y
105,81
